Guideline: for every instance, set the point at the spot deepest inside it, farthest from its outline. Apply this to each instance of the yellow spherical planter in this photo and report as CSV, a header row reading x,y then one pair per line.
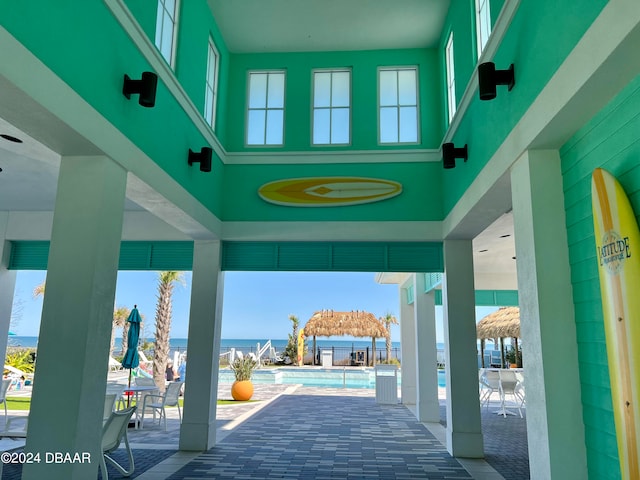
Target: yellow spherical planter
x,y
242,390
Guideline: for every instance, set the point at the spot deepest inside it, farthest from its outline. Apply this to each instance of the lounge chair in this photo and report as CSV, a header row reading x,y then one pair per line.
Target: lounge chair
x,y
274,356
114,365
158,403
113,432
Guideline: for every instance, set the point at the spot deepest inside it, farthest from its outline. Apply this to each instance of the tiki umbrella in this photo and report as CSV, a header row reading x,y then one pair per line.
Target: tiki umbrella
x,y
503,323
131,359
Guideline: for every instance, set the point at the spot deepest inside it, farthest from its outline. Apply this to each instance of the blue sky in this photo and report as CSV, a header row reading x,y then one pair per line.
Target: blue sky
x,y
256,304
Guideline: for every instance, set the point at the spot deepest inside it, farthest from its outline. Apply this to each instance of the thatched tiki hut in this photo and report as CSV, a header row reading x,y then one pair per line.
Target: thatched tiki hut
x,y
328,323
503,323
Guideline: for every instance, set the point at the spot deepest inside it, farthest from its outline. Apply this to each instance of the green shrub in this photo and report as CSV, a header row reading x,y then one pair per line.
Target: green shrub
x,y
243,368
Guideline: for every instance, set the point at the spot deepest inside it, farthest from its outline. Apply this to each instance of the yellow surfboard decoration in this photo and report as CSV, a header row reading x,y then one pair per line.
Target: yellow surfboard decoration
x,y
328,191
618,248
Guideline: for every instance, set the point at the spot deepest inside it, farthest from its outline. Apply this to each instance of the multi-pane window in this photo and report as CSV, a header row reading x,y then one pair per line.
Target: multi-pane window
x,y
166,26
398,105
331,107
483,24
451,77
211,91
265,116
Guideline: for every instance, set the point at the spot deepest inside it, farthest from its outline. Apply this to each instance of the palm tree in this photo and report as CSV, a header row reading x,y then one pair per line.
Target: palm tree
x,y
291,349
120,317
166,281
388,320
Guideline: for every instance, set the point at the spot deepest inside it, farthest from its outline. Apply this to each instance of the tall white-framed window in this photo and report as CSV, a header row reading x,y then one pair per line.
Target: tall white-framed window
x,y
265,108
211,89
398,105
483,24
451,77
331,107
166,29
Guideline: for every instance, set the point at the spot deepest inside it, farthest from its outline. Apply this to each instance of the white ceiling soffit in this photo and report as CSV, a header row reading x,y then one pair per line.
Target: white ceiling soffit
x,y
328,25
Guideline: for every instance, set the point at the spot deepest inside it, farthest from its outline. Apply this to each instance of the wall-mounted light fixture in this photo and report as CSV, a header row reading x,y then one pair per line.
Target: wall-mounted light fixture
x,y
145,87
489,78
450,153
203,157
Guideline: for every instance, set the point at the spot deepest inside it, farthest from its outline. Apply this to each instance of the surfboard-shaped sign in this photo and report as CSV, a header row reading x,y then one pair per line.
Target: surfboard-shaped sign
x,y
328,191
618,248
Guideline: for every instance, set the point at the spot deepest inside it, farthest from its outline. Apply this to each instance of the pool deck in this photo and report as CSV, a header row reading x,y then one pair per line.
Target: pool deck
x,y
318,432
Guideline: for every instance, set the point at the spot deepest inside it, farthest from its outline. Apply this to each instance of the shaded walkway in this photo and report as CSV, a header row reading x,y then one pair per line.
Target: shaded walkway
x,y
316,436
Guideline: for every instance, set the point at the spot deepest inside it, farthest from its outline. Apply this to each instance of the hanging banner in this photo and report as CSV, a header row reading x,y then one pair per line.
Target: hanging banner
x,y
301,347
618,254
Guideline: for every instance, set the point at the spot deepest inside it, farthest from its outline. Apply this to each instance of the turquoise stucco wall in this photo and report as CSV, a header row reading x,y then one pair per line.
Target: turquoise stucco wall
x,y
418,201
610,140
86,47
540,37
363,65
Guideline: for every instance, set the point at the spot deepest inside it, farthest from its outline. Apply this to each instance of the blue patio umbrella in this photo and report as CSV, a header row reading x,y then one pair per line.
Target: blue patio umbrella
x,y
131,359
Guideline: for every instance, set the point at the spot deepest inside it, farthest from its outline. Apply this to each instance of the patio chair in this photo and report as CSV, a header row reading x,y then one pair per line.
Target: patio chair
x,y
490,382
519,390
4,387
113,432
508,384
158,403
109,406
118,389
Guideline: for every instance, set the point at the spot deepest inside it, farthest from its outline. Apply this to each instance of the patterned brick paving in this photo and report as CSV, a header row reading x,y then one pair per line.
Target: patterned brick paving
x,y
323,437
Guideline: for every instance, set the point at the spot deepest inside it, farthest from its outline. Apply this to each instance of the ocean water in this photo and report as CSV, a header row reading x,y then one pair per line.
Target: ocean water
x,y
180,344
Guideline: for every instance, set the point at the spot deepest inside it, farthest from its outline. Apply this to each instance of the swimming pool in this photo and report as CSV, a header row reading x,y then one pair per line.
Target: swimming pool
x,y
317,377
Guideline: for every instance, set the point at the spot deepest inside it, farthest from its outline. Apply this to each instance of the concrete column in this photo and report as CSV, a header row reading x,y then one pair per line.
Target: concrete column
x,y
7,286
408,344
198,429
428,409
77,314
464,431
555,427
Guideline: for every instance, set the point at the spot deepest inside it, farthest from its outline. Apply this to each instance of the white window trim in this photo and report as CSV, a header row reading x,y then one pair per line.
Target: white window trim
x,y
330,108
479,4
417,105
266,109
174,34
214,88
450,78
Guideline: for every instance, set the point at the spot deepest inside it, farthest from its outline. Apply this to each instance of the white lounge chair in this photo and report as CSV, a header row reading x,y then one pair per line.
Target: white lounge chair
x,y
158,403
113,432
274,356
114,365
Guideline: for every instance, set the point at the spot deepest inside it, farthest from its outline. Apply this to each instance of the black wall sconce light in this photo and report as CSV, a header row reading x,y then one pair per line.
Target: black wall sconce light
x,y
489,78
450,153
203,157
145,87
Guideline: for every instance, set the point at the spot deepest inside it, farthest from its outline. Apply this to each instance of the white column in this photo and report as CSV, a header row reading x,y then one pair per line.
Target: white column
x,y
408,344
7,286
464,431
77,314
428,409
198,429
555,428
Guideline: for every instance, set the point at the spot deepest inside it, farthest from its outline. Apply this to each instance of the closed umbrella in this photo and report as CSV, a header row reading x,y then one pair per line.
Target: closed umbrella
x,y
131,359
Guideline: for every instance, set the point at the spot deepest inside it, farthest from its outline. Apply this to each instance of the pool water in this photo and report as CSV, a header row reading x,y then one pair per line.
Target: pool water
x,y
317,377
